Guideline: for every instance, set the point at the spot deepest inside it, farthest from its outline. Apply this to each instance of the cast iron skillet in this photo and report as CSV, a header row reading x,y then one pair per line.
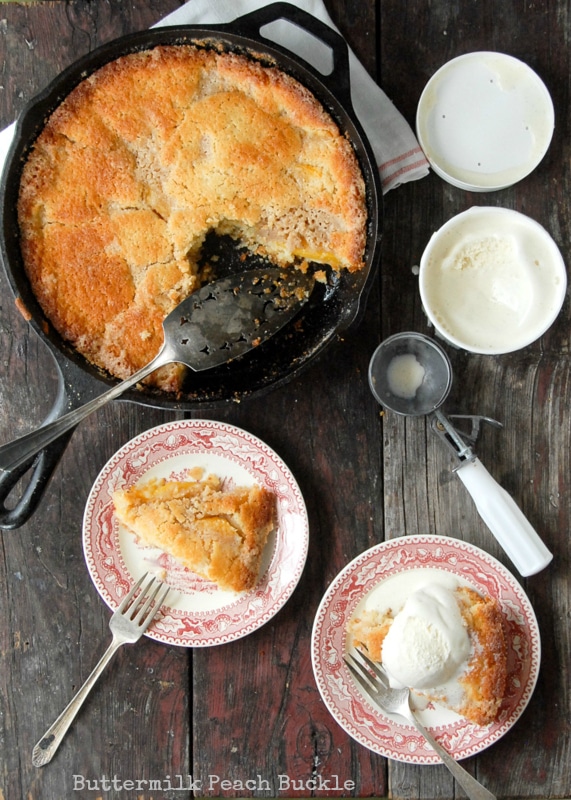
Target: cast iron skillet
x,y
327,314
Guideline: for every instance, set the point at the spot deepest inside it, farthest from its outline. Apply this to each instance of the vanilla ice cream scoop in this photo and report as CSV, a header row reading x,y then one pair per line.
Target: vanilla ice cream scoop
x,y
427,644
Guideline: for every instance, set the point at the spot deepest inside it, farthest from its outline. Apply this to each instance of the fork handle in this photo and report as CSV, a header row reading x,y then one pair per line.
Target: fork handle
x,y
44,750
471,786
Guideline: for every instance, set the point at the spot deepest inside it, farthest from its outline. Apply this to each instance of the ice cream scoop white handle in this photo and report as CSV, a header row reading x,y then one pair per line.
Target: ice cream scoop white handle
x,y
505,519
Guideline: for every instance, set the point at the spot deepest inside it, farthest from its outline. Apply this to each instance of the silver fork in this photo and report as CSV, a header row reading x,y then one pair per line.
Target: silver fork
x,y
127,625
372,678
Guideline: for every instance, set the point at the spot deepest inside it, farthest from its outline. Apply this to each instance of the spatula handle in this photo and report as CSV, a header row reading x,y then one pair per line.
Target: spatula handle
x,y
20,452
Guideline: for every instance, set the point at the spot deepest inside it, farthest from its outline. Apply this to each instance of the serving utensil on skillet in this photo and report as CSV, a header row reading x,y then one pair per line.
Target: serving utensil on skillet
x,y
220,322
372,679
127,625
421,392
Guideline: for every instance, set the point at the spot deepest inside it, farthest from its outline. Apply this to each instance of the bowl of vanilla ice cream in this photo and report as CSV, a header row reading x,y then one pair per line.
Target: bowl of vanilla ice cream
x,y
492,280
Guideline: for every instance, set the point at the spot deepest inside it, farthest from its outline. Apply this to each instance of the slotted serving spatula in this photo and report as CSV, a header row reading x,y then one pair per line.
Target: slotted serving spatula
x,y
221,321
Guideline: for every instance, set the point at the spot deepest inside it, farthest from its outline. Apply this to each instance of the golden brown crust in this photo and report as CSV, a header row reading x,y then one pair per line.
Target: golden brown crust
x,y
150,153
368,632
218,534
484,682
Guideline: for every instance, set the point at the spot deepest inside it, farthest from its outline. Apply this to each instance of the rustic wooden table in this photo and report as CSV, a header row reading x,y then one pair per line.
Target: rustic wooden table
x,y
250,710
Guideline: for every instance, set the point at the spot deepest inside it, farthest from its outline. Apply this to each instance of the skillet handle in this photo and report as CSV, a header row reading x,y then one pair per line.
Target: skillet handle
x,y
337,81
40,466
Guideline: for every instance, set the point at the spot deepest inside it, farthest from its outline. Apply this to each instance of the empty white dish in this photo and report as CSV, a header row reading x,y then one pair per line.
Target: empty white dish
x,y
484,120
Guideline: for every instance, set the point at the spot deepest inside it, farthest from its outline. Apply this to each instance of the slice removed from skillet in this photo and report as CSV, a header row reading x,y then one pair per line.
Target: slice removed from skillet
x,y
220,322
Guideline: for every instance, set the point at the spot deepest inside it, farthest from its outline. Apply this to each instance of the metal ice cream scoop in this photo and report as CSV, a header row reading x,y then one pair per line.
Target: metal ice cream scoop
x,y
223,320
411,375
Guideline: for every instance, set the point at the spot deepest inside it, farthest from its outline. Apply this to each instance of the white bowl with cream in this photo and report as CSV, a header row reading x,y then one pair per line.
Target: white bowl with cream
x,y
492,280
484,121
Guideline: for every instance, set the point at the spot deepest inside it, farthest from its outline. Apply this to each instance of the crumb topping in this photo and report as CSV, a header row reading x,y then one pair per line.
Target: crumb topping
x,y
215,532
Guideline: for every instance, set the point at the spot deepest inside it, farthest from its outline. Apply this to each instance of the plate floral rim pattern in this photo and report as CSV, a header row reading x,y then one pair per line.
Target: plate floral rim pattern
x,y
193,616
368,725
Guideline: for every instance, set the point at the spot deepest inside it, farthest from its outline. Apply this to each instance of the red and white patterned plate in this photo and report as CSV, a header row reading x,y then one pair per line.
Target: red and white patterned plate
x,y
196,613
389,735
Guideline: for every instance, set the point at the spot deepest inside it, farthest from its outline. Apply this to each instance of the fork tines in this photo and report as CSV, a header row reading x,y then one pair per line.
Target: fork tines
x,y
137,610
366,672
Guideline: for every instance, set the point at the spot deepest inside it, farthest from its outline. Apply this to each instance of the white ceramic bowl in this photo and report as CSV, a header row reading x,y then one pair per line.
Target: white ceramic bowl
x,y
484,120
492,280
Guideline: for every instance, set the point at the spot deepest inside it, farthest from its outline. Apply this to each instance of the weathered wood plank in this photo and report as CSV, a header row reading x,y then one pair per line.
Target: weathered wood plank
x,y
325,426
310,423
526,390
55,626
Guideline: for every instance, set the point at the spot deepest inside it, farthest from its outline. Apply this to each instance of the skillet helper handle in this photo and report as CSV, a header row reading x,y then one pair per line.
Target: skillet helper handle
x,y
42,468
45,445
337,80
49,441
505,519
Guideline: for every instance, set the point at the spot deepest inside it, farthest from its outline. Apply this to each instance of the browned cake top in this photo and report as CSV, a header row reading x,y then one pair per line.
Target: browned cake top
x,y
148,155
